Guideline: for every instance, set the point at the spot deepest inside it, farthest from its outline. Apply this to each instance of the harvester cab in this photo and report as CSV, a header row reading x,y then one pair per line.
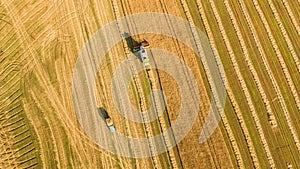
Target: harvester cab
x,y
143,43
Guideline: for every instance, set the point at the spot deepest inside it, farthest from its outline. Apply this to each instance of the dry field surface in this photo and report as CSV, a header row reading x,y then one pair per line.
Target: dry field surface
x,y
257,43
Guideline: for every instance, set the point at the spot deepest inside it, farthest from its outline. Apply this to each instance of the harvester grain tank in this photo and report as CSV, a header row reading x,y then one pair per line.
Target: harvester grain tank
x,y
144,56
141,48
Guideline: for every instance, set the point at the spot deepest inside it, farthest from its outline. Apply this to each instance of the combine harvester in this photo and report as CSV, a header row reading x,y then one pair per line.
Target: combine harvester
x,y
141,48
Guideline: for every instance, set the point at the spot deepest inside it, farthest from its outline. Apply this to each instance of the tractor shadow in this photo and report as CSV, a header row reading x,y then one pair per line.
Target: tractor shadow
x,y
102,113
131,43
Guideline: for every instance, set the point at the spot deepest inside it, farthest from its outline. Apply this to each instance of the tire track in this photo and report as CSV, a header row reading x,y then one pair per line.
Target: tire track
x,y
290,47
143,107
198,44
242,82
156,98
224,119
284,68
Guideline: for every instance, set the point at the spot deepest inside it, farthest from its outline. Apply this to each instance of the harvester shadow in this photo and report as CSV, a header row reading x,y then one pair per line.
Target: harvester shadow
x,y
131,43
102,113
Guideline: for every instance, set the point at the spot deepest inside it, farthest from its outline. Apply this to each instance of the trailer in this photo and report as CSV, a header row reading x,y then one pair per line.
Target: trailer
x,y
110,124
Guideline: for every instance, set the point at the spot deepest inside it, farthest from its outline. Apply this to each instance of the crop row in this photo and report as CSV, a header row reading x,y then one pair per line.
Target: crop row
x,y
117,15
285,70
248,98
291,49
263,56
143,107
12,116
20,143
291,15
250,65
244,87
208,73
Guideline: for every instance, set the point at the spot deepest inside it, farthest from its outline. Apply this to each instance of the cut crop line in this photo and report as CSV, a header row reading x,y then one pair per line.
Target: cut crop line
x,y
147,126
223,116
161,119
139,90
259,46
251,67
236,67
291,49
149,133
188,16
286,73
291,15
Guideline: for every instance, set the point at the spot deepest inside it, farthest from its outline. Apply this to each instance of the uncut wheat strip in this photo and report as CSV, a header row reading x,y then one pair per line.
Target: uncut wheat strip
x,y
149,133
170,26
161,119
223,117
163,124
250,64
143,109
287,76
291,15
253,32
292,51
242,82
212,155
127,53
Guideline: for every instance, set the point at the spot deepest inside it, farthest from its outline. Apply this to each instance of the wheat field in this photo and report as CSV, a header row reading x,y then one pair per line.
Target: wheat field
x,y
258,46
